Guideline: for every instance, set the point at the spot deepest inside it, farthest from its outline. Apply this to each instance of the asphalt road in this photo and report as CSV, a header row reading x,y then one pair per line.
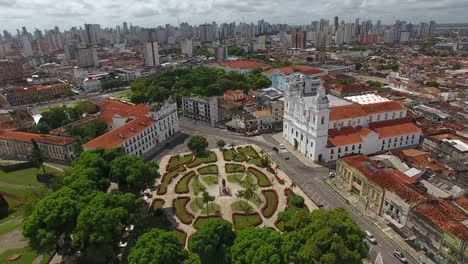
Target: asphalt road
x,y
310,180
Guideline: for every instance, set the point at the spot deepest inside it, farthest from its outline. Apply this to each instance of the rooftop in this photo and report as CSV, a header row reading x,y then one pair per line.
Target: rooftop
x,y
295,68
110,108
27,137
370,98
357,110
243,64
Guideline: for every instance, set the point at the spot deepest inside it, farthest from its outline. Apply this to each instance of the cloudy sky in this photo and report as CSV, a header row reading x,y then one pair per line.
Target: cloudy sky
x,y
45,14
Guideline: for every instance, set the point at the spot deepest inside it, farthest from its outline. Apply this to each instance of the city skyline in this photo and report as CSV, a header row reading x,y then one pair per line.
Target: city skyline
x,y
149,13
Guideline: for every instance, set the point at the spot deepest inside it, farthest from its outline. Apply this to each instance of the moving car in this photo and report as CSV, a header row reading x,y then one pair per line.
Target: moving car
x,y
400,256
370,237
281,146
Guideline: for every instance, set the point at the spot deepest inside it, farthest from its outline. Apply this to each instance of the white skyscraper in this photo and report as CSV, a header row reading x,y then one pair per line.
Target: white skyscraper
x,y
27,48
152,54
186,46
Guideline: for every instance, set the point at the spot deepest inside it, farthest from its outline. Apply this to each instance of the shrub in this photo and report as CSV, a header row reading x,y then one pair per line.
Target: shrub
x,y
180,205
232,167
210,169
183,185
244,220
271,202
262,179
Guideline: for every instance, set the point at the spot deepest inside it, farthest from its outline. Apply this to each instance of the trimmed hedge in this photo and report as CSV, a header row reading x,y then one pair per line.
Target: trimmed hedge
x,y
180,206
183,185
210,169
262,179
228,155
244,220
207,158
166,179
271,202
156,202
203,220
248,151
232,167
173,163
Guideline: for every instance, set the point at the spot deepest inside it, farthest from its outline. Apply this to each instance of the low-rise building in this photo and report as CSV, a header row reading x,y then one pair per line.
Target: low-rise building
x,y
91,85
201,109
18,145
10,70
264,119
447,145
241,66
36,93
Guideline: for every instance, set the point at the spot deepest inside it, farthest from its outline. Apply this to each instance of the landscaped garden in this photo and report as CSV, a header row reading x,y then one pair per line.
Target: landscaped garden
x,y
236,184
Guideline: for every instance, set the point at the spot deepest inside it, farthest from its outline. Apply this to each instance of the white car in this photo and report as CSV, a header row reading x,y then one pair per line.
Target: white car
x,y
370,238
400,256
281,146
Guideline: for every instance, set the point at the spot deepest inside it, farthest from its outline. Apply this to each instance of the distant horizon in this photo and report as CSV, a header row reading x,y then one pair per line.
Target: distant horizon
x,y
46,14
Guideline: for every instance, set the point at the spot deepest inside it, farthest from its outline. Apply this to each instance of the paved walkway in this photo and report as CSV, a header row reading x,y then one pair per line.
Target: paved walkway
x,y
225,201
380,222
15,186
308,162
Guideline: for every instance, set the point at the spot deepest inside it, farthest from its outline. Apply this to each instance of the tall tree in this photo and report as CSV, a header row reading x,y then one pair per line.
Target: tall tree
x,y
37,158
257,245
157,247
207,199
221,143
213,241
132,173
197,144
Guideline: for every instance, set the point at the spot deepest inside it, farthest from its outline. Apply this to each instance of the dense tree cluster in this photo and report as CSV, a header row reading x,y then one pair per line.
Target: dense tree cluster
x,y
265,59
391,66
185,81
89,219
115,83
202,52
236,51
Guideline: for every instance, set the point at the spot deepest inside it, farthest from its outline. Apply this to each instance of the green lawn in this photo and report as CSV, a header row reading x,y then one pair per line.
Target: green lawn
x,y
183,185
203,158
241,206
22,177
167,179
122,95
21,193
270,202
231,167
210,180
244,221
179,205
262,179
210,169
27,255
201,221
6,228
256,161
196,204
249,151
179,160
212,208
230,155
245,180
158,204
197,186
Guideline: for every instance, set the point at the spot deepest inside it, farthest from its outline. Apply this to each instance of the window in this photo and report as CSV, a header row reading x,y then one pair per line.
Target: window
x,y
360,146
323,120
352,148
339,150
383,142
378,117
393,115
332,151
401,114
346,148
389,140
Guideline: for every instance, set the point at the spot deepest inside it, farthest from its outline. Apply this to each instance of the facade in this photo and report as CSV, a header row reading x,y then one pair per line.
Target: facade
x,y
151,54
220,53
280,76
31,94
91,85
203,109
18,145
186,47
298,39
449,146
242,66
138,128
325,133
10,70
87,57
264,119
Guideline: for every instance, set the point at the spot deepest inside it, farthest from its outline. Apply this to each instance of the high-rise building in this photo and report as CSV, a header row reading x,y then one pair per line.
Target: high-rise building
x,y
298,39
10,70
27,48
221,53
348,33
379,26
186,46
432,27
92,33
125,28
151,51
87,57
423,30
336,23
356,26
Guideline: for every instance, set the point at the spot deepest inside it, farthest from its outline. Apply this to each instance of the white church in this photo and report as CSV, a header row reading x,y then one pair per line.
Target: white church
x,y
324,127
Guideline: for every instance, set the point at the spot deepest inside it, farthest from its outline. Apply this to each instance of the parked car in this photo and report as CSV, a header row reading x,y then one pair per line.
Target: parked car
x,y
370,238
275,149
281,146
400,256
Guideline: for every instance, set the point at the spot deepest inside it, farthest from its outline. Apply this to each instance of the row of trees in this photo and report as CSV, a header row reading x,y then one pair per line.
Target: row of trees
x,y
114,83
83,214
185,81
324,236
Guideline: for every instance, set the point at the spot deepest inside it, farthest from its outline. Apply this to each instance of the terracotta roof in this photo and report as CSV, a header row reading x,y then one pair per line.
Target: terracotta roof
x,y
462,201
294,68
109,108
27,137
346,136
262,113
450,136
392,130
388,106
408,194
346,112
119,135
243,64
443,215
354,88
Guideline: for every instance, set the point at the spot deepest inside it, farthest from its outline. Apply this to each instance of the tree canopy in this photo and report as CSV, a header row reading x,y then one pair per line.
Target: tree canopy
x,y
197,143
213,241
133,173
257,246
157,247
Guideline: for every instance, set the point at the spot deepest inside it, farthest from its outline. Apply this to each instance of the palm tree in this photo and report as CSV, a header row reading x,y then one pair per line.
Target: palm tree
x,y
207,199
241,196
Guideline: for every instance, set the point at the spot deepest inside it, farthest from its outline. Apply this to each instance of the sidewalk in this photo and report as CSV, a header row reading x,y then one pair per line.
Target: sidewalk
x,y
380,222
279,138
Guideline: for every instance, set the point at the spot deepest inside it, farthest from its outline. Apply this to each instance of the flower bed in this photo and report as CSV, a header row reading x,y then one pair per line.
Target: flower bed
x,y
244,220
206,158
210,169
248,151
232,155
180,206
256,161
232,167
203,220
183,185
271,203
262,179
157,203
175,161
181,235
166,179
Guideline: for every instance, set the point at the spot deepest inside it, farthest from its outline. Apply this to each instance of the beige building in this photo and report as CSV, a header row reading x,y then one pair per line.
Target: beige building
x,y
31,94
18,145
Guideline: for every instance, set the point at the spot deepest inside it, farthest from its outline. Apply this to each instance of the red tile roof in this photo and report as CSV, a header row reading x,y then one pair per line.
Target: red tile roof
x,y
109,108
346,112
462,201
408,194
295,68
388,106
443,215
393,130
27,137
346,136
243,64
119,135
354,88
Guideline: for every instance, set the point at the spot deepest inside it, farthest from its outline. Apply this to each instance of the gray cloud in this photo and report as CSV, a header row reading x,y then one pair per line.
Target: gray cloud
x,y
150,13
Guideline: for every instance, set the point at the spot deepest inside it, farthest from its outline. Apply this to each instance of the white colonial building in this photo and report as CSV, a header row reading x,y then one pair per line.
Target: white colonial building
x,y
325,132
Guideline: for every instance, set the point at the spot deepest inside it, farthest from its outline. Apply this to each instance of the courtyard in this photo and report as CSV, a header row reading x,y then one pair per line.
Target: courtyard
x,y
240,184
